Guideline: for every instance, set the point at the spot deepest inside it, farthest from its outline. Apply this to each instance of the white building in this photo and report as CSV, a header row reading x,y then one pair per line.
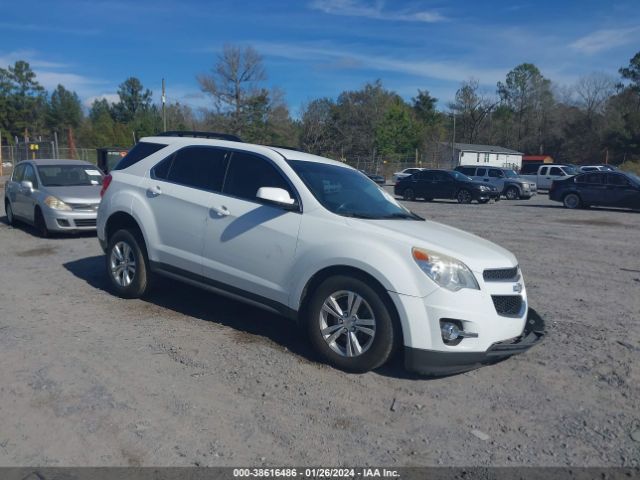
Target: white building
x,y
487,155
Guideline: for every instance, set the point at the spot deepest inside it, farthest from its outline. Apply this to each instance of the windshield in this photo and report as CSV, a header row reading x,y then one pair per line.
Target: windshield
x,y
69,175
461,176
570,170
510,174
348,192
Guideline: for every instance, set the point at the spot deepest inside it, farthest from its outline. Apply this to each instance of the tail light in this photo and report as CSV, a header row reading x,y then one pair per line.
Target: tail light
x,y
106,181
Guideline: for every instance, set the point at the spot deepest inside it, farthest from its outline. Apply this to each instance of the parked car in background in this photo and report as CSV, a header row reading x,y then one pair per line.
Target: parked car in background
x,y
405,173
54,195
315,240
379,179
596,168
430,184
508,182
547,173
601,188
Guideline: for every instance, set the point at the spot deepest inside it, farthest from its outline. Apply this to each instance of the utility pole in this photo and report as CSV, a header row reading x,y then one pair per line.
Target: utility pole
x,y
55,143
453,140
164,111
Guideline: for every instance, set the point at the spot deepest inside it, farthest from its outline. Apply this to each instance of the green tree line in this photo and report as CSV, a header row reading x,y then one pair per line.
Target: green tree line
x,y
596,119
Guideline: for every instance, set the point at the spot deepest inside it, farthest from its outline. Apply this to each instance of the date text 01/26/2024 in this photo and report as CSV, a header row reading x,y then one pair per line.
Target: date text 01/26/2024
x,y
315,473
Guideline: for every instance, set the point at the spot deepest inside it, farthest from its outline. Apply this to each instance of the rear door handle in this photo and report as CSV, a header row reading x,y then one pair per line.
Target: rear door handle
x,y
154,191
222,211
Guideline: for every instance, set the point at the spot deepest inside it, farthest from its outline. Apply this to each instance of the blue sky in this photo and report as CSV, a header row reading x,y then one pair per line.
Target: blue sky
x,y
315,48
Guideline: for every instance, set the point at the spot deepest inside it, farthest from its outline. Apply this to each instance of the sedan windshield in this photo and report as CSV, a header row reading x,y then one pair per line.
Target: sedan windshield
x,y
69,175
348,192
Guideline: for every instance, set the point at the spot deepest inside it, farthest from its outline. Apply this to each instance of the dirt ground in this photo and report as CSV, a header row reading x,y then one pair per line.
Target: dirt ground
x,y
189,378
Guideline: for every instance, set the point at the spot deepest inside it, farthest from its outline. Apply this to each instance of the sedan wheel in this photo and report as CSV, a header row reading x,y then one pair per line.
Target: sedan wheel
x,y
9,210
572,201
464,196
409,195
41,224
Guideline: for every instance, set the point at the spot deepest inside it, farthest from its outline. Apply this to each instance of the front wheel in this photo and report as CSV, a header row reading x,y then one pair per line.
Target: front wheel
x,y
350,325
572,200
409,195
464,196
127,264
41,224
512,193
9,211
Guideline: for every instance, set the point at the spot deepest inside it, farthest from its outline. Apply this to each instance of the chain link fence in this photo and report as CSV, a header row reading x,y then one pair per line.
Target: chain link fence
x,y
16,153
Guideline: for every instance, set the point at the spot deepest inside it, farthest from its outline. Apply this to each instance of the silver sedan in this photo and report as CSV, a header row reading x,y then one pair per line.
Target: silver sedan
x,y
54,195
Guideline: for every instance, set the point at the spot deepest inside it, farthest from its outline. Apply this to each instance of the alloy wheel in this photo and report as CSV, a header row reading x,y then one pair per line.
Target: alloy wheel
x,y
123,264
347,323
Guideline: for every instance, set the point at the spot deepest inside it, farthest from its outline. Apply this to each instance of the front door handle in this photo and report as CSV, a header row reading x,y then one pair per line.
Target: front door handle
x,y
222,211
154,191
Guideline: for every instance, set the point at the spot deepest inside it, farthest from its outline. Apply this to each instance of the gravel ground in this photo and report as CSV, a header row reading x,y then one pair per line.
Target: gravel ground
x,y
189,378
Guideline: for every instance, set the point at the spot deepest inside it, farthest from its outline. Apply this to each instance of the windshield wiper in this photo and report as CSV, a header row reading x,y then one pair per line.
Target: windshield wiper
x,y
410,215
359,215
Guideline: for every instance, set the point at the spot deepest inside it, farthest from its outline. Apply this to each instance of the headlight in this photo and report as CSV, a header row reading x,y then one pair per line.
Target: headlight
x,y
56,203
446,271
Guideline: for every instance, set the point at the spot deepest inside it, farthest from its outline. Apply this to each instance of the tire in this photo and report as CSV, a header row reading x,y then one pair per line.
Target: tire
x,y
409,195
464,196
572,201
11,219
371,325
127,264
40,224
512,193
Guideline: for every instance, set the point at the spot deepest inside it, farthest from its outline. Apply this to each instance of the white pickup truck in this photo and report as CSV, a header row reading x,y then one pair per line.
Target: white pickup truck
x,y
548,173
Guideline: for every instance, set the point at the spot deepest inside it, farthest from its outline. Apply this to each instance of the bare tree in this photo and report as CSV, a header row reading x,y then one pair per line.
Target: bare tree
x,y
471,108
233,82
593,91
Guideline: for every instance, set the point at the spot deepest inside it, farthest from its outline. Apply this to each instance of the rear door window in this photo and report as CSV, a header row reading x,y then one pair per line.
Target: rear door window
x,y
617,179
248,172
197,167
140,151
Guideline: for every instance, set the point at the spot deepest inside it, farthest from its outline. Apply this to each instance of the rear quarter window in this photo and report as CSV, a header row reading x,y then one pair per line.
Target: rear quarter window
x,y
141,151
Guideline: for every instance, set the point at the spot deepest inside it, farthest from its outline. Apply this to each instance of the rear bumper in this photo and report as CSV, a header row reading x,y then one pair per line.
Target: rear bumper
x,y
438,363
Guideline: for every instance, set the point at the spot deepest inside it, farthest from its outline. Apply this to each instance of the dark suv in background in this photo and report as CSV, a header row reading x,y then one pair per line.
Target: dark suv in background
x,y
430,184
507,181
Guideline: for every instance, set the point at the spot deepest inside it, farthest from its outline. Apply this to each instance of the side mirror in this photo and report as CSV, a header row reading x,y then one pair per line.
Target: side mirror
x,y
27,185
276,196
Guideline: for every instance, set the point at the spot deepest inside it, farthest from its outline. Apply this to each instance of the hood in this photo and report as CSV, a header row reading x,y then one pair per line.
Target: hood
x,y
76,194
476,252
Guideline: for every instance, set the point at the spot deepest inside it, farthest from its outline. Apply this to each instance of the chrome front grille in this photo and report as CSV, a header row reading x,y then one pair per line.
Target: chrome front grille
x,y
501,275
507,305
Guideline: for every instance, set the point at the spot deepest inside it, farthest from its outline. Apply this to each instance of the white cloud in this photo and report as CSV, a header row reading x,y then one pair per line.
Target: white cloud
x,y
375,10
606,39
441,70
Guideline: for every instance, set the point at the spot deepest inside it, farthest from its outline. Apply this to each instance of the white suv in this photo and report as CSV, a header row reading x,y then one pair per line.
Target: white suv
x,y
317,241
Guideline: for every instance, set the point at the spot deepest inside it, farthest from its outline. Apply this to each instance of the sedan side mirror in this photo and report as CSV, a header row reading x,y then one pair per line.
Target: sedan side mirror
x,y
27,185
276,196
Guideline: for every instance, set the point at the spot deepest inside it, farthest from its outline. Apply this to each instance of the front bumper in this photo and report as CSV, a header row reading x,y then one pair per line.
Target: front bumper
x,y
439,363
69,221
491,195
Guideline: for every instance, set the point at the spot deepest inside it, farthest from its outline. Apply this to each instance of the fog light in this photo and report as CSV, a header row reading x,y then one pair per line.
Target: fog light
x,y
449,331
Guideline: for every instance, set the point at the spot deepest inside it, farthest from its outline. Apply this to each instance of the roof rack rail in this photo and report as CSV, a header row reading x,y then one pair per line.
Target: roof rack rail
x,y
295,149
190,133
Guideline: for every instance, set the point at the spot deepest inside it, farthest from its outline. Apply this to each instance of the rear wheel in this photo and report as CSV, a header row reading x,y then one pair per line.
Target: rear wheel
x,y
127,264
409,195
40,224
350,325
464,196
512,193
9,211
572,200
